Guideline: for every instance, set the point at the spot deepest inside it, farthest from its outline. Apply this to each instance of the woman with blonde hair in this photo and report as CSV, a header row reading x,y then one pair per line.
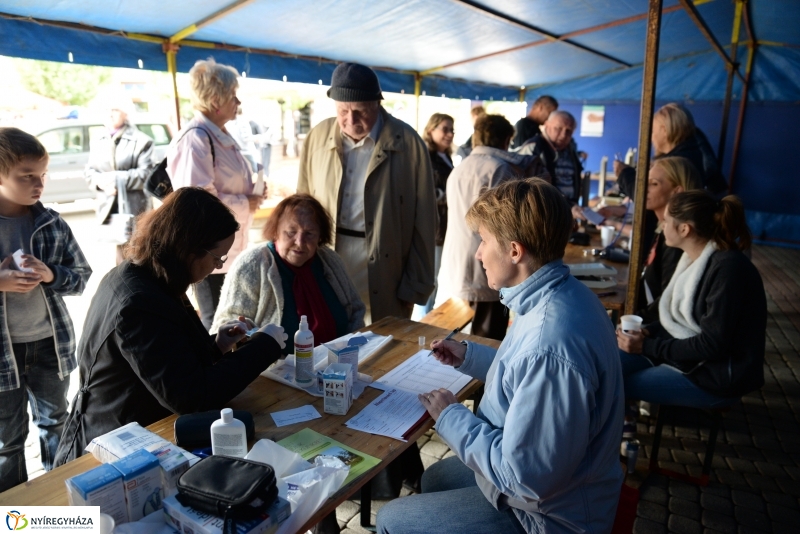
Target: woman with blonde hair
x,y
542,452
205,155
438,135
707,348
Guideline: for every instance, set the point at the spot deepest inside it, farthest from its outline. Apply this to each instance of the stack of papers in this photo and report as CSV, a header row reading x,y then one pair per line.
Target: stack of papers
x,y
398,411
283,371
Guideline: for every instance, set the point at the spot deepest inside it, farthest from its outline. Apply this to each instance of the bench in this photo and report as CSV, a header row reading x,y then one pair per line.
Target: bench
x,y
453,313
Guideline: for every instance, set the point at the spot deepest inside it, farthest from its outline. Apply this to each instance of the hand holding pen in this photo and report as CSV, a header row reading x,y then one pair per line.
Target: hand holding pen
x,y
448,351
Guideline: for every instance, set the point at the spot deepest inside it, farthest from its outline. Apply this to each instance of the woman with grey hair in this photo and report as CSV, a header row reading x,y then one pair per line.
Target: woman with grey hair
x,y
205,155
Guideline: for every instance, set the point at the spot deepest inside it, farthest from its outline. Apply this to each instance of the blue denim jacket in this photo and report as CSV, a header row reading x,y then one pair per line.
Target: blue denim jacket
x,y
52,242
546,437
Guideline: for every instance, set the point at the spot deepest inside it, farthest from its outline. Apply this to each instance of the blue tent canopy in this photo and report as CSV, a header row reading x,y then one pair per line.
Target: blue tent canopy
x,y
493,49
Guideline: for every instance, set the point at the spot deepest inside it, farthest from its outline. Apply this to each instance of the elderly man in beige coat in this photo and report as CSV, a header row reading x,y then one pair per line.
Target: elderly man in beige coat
x,y
373,174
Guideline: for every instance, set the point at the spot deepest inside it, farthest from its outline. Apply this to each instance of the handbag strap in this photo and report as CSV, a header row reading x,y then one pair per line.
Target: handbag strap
x,y
213,154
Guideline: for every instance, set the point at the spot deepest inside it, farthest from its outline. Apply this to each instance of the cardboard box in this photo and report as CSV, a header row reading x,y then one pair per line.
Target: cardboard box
x,y
346,352
185,519
337,384
141,478
174,462
101,486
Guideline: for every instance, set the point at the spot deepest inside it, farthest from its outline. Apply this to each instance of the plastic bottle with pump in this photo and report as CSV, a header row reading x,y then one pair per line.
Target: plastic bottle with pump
x,y
304,354
228,435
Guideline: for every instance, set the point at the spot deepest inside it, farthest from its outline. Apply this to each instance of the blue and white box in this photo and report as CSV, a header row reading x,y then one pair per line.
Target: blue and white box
x,y
141,479
185,519
346,352
337,386
101,486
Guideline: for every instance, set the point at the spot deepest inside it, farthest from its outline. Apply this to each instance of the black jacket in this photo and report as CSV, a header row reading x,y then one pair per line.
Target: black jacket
x,y
441,171
145,355
541,147
525,129
731,309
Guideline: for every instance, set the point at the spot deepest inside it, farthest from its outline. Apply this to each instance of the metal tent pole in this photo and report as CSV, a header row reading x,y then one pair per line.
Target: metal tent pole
x,y
726,106
643,166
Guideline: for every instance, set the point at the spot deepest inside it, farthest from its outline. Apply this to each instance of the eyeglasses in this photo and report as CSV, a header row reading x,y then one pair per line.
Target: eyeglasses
x,y
221,259
445,130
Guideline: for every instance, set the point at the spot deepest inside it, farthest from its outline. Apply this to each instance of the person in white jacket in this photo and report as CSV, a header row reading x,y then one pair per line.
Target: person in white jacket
x,y
204,154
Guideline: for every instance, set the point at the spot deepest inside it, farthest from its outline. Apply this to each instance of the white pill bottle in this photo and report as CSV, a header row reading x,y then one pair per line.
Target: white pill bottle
x,y
304,354
228,436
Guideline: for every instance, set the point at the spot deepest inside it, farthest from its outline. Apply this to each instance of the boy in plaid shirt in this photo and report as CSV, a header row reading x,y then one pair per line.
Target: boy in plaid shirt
x,y
38,341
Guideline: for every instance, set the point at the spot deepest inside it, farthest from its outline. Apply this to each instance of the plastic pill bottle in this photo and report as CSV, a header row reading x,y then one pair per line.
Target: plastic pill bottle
x,y
228,435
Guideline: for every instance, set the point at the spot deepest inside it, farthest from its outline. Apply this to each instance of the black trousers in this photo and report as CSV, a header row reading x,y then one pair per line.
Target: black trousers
x,y
491,319
207,292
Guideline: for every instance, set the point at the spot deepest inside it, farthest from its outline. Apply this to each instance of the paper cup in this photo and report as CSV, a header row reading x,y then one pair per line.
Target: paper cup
x,y
607,235
630,323
106,524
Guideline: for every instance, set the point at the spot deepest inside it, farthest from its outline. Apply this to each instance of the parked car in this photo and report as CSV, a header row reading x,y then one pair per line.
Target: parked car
x,y
68,142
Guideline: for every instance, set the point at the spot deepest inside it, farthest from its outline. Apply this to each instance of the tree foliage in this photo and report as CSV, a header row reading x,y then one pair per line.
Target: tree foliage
x,y
66,82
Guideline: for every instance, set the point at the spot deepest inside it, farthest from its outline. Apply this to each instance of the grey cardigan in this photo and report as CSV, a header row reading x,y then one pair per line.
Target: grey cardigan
x,y
253,288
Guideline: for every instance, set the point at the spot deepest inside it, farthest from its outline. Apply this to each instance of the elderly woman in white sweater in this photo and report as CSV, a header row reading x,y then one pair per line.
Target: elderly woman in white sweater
x,y
295,273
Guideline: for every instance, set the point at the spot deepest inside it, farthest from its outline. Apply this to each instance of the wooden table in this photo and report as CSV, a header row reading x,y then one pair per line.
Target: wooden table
x,y
615,302
264,396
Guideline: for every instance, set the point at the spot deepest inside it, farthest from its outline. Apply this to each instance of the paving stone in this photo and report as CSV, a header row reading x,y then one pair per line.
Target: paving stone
x,y
716,504
652,511
741,466
750,518
654,494
738,438
748,453
685,457
791,487
793,471
684,490
760,482
428,460
782,528
730,478
345,512
774,470
715,488
748,499
683,525
685,508
645,526
712,531
782,514
436,449
718,521
780,498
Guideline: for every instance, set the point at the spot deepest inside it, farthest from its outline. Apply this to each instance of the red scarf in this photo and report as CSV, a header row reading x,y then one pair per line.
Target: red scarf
x,y
310,302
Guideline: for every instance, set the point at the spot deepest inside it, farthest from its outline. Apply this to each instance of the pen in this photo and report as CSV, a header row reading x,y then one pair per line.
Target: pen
x,y
449,336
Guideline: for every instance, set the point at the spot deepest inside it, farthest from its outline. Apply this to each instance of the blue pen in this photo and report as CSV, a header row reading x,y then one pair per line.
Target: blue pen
x,y
449,336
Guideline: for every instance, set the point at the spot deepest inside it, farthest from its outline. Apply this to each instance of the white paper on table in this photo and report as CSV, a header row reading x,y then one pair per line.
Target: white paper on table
x,y
283,371
295,415
423,373
392,414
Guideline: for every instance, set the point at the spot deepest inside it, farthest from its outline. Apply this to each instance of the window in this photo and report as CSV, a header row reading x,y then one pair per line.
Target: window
x,y
158,132
63,140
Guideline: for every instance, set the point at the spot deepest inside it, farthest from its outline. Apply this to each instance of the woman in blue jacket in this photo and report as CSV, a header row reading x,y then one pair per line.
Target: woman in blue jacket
x,y
542,451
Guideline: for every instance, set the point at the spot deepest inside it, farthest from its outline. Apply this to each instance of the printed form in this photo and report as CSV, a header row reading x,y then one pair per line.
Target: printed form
x,y
398,410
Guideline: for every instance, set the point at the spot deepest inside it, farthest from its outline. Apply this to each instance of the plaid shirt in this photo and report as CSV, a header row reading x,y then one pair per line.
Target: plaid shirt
x,y
52,242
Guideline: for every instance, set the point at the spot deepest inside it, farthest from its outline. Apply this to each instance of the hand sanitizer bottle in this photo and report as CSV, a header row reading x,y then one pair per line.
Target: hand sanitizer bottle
x,y
304,354
228,436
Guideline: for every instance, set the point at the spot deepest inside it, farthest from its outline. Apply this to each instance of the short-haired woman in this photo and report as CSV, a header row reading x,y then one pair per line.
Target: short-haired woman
x,y
707,348
542,452
205,155
144,353
295,273
461,276
438,135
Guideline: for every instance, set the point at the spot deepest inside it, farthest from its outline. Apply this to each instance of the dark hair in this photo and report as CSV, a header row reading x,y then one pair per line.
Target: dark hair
x,y
493,131
293,203
433,123
530,212
189,222
546,100
15,146
720,220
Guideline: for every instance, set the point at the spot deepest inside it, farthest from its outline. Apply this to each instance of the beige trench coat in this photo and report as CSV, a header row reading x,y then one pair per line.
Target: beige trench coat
x,y
399,208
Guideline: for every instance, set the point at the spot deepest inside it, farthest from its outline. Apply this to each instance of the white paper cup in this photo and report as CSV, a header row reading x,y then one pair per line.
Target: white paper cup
x,y
607,235
630,323
106,524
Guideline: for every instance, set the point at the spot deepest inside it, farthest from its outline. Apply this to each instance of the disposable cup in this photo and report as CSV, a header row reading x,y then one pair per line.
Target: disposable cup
x,y
607,235
630,323
107,524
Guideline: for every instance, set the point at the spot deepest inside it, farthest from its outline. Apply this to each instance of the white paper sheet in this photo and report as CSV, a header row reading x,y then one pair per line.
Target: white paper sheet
x,y
295,415
422,373
392,414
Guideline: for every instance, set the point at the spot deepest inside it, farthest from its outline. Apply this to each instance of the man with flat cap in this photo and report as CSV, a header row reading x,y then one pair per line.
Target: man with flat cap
x,y
373,174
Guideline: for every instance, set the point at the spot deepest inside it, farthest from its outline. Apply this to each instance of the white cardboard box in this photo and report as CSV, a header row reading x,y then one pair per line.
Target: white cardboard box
x,y
141,478
337,383
101,486
185,519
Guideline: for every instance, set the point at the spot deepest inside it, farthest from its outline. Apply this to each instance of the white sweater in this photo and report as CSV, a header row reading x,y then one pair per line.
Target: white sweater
x,y
253,288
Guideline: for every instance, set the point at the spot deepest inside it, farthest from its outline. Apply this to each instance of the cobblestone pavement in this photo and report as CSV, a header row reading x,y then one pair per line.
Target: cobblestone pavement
x,y
755,480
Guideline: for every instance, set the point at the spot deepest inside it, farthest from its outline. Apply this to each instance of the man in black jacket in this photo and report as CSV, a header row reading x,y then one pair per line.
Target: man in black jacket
x,y
528,127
